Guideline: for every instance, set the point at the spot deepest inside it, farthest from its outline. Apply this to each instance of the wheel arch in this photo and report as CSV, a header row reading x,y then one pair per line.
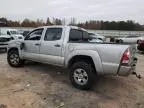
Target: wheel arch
x,y
17,49
90,55
13,48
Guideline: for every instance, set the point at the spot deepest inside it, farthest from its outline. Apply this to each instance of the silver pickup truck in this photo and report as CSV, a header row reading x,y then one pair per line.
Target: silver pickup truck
x,y
70,47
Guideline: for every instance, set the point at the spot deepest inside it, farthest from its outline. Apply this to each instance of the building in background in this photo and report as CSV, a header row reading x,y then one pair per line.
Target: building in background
x,y
3,23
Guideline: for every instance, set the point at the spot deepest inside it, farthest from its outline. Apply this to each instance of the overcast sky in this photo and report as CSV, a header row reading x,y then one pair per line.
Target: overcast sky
x,y
80,9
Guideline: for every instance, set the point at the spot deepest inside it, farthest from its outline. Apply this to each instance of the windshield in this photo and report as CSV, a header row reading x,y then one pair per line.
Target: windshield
x,y
11,32
14,32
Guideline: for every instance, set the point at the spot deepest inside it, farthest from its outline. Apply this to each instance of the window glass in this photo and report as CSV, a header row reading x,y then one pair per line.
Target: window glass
x,y
14,32
85,36
53,34
75,35
35,35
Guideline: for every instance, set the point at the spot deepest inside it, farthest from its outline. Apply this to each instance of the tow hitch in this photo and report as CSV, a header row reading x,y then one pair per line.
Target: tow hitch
x,y
138,76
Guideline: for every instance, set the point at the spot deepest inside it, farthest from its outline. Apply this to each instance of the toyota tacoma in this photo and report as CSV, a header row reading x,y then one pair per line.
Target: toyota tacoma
x,y
70,47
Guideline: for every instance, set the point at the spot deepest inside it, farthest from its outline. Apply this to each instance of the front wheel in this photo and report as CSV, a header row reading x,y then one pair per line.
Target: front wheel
x,y
82,75
14,59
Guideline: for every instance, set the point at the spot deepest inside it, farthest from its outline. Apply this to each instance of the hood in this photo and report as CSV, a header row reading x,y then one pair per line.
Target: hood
x,y
5,36
18,36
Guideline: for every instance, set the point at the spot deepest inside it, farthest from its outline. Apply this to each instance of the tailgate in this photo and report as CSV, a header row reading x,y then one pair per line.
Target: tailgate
x,y
132,50
126,69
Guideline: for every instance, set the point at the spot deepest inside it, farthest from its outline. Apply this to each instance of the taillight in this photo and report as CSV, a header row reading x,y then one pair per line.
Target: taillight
x,y
126,57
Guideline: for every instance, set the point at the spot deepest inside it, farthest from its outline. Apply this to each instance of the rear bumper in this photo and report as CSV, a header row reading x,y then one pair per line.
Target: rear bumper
x,y
127,70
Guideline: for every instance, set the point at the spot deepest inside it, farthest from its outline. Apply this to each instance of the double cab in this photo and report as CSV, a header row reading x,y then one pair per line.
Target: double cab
x,y
70,47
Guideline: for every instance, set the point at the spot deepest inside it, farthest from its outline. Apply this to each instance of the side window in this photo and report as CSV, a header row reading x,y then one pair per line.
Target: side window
x,y
53,34
86,36
35,35
75,35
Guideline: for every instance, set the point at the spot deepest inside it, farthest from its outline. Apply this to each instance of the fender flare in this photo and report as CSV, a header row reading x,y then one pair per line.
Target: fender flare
x,y
91,53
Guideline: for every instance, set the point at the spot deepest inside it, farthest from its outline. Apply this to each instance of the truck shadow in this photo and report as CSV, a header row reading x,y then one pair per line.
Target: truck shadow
x,y
107,88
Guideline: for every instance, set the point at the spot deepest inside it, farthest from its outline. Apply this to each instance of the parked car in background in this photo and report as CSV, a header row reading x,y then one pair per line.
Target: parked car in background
x,y
97,36
25,33
69,47
140,45
4,40
129,39
11,32
95,40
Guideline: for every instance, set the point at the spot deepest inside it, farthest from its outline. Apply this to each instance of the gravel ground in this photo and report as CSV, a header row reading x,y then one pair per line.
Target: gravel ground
x,y
42,86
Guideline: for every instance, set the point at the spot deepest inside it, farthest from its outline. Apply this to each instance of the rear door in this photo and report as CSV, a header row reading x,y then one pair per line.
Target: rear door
x,y
32,45
51,46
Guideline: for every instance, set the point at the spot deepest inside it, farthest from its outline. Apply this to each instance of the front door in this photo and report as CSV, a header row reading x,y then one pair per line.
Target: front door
x,y
32,45
51,47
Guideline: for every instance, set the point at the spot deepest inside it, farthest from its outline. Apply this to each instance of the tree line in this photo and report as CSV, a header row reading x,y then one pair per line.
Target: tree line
x,y
30,23
111,25
92,24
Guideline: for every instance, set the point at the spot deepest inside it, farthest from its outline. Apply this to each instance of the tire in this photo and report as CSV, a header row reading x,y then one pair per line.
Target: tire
x,y
14,59
85,80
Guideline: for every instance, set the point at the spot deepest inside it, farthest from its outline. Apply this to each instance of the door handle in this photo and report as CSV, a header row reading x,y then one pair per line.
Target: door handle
x,y
37,44
57,45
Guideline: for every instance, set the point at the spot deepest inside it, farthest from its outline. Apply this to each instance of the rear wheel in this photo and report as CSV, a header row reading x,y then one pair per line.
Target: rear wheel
x,y
82,75
14,59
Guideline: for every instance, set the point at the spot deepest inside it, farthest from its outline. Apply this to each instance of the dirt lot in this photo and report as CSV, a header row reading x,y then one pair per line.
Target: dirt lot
x,y
43,86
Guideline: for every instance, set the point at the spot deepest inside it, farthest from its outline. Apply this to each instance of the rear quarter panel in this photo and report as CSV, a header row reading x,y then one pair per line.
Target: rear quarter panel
x,y
79,49
106,57
111,56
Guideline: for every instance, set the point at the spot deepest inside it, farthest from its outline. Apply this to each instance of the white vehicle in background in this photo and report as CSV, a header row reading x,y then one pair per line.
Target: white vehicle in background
x,y
11,32
130,39
97,36
4,40
95,40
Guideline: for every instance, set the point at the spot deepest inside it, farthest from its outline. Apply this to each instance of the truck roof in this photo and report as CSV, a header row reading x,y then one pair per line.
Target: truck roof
x,y
9,29
62,26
